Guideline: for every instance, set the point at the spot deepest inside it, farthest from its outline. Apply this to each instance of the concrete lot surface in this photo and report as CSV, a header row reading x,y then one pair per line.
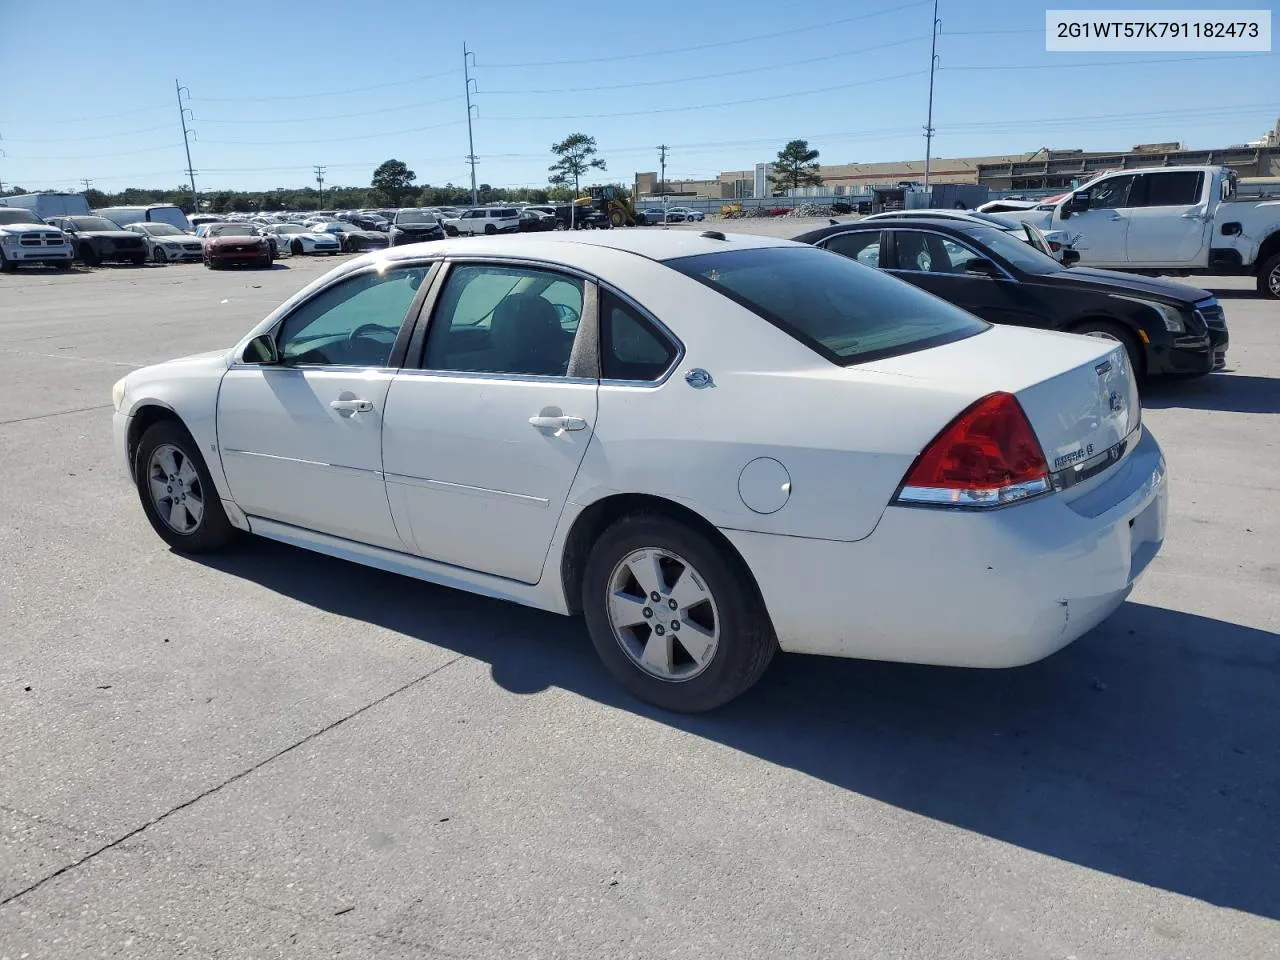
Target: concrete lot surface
x,y
273,754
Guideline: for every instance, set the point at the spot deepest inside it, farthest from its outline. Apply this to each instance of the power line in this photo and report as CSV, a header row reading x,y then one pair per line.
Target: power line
x,y
111,116
330,93
713,76
1108,63
102,136
330,139
341,116
730,103
706,46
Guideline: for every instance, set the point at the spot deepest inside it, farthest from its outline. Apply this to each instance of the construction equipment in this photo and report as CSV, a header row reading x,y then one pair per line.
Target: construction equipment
x,y
611,201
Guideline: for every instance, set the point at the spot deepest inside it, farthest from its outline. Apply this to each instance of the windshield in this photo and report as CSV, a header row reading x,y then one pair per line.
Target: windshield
x,y
415,216
843,311
290,228
232,230
94,223
1018,252
17,215
162,230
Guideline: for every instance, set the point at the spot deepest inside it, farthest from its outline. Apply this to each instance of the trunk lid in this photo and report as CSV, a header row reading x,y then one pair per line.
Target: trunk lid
x,y
1079,393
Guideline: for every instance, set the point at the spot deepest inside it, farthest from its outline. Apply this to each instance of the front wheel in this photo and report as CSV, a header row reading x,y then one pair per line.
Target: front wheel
x,y
1269,278
88,256
561,225
177,493
159,255
678,622
296,247
490,229
6,265
139,260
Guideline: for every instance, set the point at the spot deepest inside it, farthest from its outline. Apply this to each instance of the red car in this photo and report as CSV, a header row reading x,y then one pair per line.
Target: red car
x,y
230,243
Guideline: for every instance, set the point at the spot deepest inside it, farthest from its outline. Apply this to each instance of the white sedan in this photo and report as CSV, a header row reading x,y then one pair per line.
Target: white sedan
x,y
295,239
713,446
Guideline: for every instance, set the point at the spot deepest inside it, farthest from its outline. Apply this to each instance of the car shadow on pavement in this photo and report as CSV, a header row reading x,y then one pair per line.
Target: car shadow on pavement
x,y
1217,391
1146,750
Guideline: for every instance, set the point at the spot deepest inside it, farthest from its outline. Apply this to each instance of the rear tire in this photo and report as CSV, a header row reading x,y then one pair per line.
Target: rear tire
x,y
1269,278
725,617
1104,330
490,229
177,493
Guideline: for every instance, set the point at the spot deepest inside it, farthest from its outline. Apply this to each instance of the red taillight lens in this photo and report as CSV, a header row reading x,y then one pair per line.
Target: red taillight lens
x,y
986,457
1055,246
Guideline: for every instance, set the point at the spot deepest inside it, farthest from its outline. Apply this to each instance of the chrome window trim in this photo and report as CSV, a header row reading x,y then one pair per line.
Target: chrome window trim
x,y
491,375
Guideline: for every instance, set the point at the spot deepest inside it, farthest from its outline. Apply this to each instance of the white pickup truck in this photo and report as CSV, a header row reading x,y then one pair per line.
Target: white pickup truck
x,y
1183,220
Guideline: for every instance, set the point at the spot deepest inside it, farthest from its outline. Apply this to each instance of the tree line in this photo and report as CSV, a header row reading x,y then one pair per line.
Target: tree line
x,y
393,185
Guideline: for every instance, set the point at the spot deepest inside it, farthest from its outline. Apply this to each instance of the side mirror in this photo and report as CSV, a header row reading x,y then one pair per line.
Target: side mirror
x,y
1070,257
982,267
261,350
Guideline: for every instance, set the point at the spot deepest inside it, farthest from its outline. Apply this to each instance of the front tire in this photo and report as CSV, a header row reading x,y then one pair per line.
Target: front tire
x,y
6,265
1269,278
159,256
88,256
296,247
676,620
139,260
177,493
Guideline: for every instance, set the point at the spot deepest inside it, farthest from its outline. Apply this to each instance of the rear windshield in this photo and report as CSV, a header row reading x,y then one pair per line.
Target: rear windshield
x,y
844,311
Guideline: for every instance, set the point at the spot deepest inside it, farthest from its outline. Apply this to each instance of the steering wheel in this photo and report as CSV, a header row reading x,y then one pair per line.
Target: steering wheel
x,y
368,331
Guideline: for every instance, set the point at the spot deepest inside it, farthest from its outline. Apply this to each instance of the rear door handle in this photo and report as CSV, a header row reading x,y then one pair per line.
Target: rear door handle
x,y
558,424
351,406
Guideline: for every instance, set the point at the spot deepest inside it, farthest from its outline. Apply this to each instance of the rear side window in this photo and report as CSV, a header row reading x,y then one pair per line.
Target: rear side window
x,y
631,348
863,247
838,308
1180,189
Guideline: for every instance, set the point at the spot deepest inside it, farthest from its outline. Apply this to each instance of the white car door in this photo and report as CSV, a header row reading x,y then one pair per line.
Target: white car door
x,y
482,443
1101,232
301,439
1169,219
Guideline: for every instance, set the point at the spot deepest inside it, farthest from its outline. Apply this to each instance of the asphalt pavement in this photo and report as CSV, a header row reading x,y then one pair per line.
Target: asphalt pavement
x,y
269,753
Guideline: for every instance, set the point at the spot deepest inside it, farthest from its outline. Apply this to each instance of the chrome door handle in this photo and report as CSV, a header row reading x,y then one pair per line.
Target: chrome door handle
x,y
351,406
1115,218
558,423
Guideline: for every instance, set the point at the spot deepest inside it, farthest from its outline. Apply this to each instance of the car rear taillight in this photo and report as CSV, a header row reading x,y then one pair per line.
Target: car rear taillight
x,y
1055,246
986,457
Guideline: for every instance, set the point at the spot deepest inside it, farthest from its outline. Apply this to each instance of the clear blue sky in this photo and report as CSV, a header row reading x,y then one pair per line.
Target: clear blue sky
x,y
279,85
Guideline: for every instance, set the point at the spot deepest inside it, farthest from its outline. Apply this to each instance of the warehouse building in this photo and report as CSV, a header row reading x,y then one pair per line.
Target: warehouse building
x,y
1043,169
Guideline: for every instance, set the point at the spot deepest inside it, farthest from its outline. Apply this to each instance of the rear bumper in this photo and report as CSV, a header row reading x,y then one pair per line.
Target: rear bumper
x,y
967,588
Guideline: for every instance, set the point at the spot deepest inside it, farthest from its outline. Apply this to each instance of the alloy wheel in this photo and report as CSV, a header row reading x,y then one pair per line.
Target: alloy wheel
x,y
176,490
663,614
1273,280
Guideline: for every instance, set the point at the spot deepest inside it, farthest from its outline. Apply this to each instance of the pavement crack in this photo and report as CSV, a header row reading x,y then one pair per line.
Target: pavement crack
x,y
229,781
57,413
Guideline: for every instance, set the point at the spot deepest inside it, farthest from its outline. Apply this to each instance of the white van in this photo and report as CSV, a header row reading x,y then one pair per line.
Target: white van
x,y
49,204
488,220
159,213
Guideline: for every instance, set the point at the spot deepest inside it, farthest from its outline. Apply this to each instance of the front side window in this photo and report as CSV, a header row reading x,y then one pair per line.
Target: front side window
x,y
631,348
1111,194
498,319
836,307
354,323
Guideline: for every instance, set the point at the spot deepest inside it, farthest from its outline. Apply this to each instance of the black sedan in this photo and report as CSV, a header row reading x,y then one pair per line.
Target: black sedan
x,y
99,240
1167,327
352,238
535,221
415,226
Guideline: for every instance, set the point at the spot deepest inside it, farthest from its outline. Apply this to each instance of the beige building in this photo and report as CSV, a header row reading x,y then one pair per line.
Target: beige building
x,y
1037,170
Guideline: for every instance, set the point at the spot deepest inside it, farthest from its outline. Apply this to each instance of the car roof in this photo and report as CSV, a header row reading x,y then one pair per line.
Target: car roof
x,y
944,224
562,246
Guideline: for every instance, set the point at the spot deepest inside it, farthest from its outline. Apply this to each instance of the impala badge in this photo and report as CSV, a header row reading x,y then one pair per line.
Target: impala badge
x,y
1117,404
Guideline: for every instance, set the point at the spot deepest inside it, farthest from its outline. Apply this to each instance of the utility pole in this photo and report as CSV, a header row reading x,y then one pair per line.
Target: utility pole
x,y
471,144
87,183
933,65
320,180
186,143
662,177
